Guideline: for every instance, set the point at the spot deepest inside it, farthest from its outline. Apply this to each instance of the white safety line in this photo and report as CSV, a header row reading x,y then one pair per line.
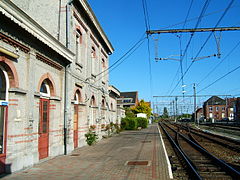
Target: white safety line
x,y
165,152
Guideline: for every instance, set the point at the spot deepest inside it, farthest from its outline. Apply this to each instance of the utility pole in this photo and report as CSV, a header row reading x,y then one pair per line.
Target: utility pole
x,y
195,102
176,109
174,115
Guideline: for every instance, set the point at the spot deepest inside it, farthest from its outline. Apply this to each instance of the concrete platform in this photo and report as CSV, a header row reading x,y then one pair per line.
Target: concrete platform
x,y
133,155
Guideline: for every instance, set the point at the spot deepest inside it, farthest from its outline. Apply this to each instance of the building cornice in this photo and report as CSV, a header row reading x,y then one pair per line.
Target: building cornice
x,y
19,17
95,22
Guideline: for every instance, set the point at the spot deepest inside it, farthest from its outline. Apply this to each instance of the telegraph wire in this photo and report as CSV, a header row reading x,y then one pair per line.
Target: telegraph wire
x,y
129,51
233,70
123,58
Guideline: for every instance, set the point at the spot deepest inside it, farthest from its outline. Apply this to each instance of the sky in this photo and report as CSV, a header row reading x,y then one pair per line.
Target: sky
x,y
124,24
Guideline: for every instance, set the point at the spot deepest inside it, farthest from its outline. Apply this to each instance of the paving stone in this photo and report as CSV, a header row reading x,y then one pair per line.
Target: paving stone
x,y
106,160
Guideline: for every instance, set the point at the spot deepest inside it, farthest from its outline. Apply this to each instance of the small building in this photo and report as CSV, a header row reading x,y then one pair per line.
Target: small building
x,y
214,108
237,110
128,99
199,114
117,112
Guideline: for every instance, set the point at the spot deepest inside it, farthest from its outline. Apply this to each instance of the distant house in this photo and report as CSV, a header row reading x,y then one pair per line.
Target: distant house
x,y
215,108
237,110
116,111
128,99
230,108
199,113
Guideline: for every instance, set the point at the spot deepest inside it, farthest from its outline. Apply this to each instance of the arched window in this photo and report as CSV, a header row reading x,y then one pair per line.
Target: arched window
x,y
77,97
93,103
4,85
44,89
78,45
103,103
93,60
103,65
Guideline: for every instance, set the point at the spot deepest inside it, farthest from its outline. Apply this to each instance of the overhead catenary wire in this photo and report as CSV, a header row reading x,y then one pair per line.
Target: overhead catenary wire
x,y
180,44
220,19
215,67
195,18
146,16
147,24
192,34
233,70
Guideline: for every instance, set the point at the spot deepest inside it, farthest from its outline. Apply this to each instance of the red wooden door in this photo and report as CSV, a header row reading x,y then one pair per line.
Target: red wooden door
x,y
75,126
3,135
43,129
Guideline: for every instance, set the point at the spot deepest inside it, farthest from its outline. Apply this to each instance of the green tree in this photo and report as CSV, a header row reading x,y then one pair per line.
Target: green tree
x,y
142,107
165,113
129,112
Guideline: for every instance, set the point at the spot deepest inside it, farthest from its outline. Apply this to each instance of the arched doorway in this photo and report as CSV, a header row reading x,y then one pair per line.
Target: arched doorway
x,y
4,86
77,98
43,131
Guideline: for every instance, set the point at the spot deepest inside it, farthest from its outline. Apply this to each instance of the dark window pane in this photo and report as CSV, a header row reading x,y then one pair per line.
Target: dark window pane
x,y
43,88
1,129
2,86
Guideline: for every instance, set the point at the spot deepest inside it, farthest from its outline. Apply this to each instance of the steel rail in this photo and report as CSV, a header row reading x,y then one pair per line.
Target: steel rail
x,y
193,174
204,135
237,142
227,168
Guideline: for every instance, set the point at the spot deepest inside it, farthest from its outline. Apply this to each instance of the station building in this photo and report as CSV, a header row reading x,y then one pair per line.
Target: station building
x,y
54,81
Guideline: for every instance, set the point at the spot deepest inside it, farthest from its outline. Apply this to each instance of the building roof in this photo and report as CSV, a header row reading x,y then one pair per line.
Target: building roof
x,y
113,91
215,100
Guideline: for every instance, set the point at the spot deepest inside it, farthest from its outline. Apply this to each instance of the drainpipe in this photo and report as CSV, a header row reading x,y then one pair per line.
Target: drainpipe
x,y
66,89
59,18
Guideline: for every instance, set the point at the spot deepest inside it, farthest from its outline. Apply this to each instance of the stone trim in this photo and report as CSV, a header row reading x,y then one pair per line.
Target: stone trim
x,y
49,62
17,90
14,43
51,85
79,20
55,98
94,40
11,71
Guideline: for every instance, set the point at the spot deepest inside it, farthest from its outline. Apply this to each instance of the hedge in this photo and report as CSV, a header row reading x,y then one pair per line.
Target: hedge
x,y
142,122
129,123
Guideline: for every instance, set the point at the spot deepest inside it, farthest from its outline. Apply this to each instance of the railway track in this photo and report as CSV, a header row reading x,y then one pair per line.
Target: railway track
x,y
199,163
233,128
222,147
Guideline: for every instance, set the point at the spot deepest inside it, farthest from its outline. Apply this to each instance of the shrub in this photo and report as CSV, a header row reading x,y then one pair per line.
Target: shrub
x,y
91,137
124,123
132,124
142,122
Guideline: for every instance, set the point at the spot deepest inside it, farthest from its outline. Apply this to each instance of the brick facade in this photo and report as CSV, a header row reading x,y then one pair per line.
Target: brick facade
x,y
44,55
